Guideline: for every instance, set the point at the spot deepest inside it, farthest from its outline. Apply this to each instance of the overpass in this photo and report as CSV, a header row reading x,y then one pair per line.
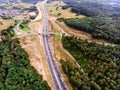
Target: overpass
x,y
35,33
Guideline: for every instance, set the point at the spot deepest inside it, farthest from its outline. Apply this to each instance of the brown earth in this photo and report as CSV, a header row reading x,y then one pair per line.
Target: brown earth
x,y
5,24
58,53
34,47
64,13
81,34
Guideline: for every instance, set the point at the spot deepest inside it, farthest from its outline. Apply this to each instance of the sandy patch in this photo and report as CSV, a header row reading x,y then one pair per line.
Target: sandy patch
x,y
55,8
54,44
5,24
39,16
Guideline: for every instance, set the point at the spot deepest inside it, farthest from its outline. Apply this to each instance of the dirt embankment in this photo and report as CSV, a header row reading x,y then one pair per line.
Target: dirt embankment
x,y
34,47
4,24
58,53
39,16
33,44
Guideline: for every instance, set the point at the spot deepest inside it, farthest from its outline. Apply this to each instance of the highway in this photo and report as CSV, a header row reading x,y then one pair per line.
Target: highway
x,y
55,73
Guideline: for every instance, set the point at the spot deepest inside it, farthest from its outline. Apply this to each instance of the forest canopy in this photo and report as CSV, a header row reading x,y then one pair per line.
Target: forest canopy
x,y
100,28
100,63
16,73
95,8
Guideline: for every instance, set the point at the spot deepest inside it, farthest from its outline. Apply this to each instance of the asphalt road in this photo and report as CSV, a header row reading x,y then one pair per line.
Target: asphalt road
x,y
55,73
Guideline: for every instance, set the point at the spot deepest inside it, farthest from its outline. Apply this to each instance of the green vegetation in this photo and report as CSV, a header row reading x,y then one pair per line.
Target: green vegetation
x,y
60,19
101,28
24,26
94,8
59,14
57,36
53,10
47,6
75,75
16,73
9,20
101,64
1,23
18,21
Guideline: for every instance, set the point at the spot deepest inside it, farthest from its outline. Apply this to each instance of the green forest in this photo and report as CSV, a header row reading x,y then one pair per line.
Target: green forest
x,y
94,8
100,62
100,28
16,73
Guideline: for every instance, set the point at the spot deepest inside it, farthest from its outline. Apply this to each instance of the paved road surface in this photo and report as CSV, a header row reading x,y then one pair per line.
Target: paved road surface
x,y
55,73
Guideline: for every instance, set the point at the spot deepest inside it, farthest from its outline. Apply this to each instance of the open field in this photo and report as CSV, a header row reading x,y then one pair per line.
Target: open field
x,y
78,33
57,36
68,14
6,23
9,20
55,9
62,27
25,28
18,21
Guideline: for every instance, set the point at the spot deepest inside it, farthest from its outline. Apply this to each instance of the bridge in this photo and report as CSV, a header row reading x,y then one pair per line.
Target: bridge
x,y
35,33
49,33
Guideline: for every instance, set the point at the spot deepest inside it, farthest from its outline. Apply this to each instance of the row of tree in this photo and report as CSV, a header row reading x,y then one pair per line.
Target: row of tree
x,y
101,64
16,73
101,28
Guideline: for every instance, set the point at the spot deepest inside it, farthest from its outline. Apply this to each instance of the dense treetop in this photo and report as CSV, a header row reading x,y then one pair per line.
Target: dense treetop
x,y
101,64
101,28
16,73
101,8
93,8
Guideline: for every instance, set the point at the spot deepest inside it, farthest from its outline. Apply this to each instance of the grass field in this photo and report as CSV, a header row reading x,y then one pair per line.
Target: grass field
x,y
9,20
18,21
82,60
57,36
5,23
55,8
26,28
1,23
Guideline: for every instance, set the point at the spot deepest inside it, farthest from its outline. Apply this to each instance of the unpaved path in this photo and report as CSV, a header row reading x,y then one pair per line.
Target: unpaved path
x,y
39,16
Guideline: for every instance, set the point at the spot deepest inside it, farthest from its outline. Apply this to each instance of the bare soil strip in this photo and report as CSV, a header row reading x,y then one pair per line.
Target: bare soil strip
x,y
5,24
58,53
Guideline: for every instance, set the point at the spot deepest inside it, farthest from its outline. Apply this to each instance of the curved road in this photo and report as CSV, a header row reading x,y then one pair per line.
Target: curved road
x,y
55,73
